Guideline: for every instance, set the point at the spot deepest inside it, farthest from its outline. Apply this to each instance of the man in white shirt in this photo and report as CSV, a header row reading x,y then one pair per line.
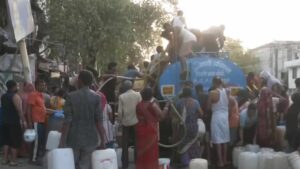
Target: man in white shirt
x,y
179,20
155,60
127,118
183,42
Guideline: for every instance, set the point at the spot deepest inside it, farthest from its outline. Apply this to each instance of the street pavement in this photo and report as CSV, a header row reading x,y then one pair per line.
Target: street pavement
x,y
23,165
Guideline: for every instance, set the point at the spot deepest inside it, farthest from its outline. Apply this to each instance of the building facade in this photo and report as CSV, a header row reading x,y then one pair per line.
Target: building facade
x,y
293,68
273,57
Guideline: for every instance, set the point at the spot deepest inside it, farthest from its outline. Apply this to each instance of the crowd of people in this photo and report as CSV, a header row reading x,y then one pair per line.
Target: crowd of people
x,y
31,107
249,116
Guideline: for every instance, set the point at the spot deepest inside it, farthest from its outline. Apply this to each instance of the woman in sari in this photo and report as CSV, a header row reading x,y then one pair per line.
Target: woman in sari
x,y
265,116
148,114
189,148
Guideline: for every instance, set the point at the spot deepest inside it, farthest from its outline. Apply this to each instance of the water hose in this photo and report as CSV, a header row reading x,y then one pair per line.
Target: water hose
x,y
173,108
184,128
115,76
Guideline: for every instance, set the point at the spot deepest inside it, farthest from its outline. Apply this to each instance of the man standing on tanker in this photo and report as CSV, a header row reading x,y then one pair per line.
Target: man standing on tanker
x,y
213,38
184,41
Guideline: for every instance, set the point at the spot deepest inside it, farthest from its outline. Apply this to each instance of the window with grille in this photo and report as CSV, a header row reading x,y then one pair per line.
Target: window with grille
x,y
294,72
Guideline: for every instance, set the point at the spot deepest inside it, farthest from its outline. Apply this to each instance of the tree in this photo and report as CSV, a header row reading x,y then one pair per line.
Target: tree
x,y
99,31
244,58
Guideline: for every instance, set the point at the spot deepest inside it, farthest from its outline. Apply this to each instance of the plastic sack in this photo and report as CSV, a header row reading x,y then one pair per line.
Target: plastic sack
x,y
29,135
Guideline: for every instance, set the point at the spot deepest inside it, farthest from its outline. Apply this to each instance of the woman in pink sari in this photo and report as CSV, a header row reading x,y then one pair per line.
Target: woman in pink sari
x,y
148,114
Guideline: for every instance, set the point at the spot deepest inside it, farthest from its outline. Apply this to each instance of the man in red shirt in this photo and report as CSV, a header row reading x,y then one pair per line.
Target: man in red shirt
x,y
37,118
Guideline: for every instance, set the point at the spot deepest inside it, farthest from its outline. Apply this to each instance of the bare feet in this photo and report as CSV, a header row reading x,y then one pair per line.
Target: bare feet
x,y
13,164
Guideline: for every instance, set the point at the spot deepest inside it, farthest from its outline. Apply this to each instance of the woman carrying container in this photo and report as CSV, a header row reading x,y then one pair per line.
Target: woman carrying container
x,y
148,114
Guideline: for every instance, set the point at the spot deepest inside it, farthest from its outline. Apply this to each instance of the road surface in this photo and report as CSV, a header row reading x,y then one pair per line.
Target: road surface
x,y
24,165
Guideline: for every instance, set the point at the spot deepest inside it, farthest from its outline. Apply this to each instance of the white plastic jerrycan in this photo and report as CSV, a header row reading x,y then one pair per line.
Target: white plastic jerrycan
x,y
198,163
104,159
61,159
53,140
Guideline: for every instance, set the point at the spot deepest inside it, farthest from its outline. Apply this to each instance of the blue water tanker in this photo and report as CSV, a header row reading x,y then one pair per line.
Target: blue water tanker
x,y
202,68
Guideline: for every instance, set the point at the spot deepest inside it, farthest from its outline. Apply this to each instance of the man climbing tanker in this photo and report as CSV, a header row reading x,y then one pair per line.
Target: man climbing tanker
x,y
183,42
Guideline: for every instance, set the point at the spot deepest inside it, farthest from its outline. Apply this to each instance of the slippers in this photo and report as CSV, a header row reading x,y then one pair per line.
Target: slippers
x,y
13,164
